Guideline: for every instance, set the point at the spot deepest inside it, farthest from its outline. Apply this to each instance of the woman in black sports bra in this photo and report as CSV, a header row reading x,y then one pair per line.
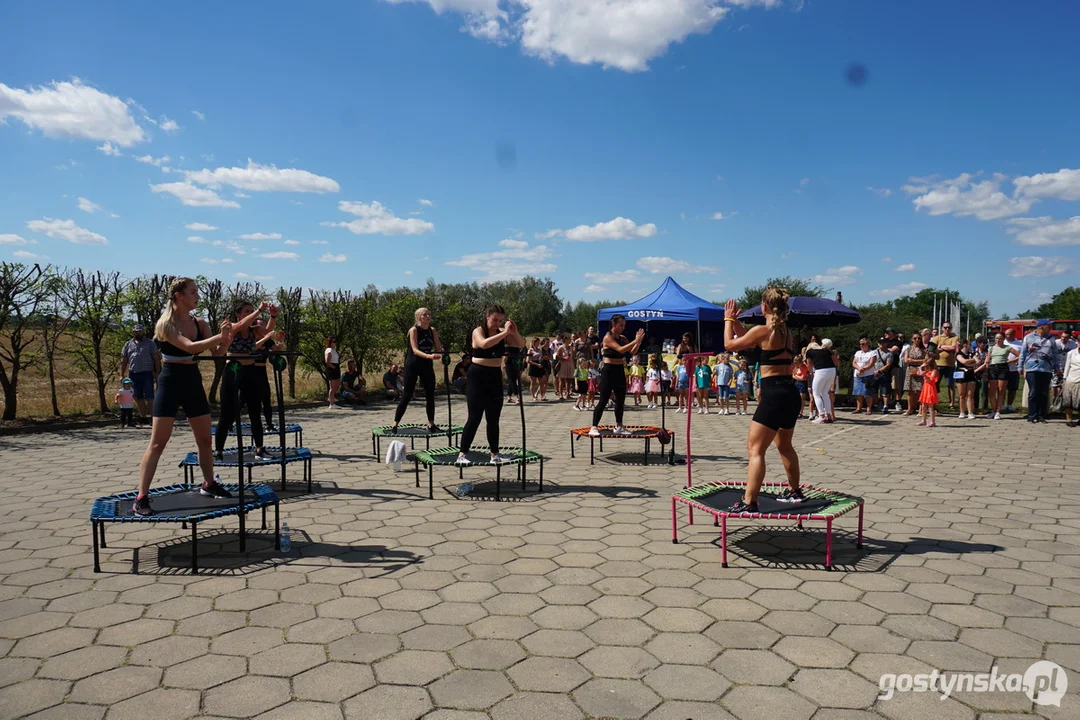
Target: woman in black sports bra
x,y
241,382
422,349
180,386
613,373
779,402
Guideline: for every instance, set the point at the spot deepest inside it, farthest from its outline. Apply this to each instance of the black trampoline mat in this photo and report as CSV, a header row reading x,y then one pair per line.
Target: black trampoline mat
x,y
640,433
478,458
186,502
415,432
723,499
232,455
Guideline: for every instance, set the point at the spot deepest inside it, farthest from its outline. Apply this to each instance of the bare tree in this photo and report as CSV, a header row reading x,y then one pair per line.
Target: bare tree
x,y
56,317
146,296
22,291
214,304
96,301
290,302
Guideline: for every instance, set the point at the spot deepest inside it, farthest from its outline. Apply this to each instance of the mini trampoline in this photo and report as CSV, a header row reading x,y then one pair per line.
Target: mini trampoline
x,y
231,458
648,433
184,504
291,429
715,497
446,457
411,432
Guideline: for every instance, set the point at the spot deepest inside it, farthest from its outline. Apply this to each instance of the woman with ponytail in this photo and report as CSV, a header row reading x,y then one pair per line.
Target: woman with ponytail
x,y
779,402
180,337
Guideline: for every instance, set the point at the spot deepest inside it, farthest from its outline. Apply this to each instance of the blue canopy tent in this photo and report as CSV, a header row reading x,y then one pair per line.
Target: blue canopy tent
x,y
668,312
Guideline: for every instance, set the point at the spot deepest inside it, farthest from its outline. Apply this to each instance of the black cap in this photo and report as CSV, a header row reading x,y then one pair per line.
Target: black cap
x,y
890,330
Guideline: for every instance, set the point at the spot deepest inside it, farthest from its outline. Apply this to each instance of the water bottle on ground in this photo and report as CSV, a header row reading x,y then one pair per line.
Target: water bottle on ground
x,y
465,488
286,540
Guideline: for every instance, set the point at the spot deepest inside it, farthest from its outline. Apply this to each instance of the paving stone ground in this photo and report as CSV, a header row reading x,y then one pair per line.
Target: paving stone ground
x,y
570,604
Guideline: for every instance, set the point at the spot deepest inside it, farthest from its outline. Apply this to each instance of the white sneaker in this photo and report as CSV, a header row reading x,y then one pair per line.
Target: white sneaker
x,y
594,431
461,460
997,416
497,459
621,430
706,411
899,408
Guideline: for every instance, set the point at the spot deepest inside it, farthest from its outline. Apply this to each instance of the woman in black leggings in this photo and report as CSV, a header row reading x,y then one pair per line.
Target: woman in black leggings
x,y
263,347
242,375
421,351
484,384
614,349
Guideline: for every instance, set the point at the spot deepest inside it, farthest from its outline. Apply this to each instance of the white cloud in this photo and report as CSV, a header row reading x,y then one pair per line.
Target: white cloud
x,y
200,227
377,219
197,240
292,242
803,182
230,245
838,276
510,263
280,255
150,160
1045,231
320,242
209,261
900,290
168,125
1061,185
245,276
594,288
514,244
72,110
10,239
886,259
880,192
241,195
716,216
26,255
618,229
907,267
260,236
961,196
407,272
109,149
194,196
199,115
670,266
615,277
426,203
67,230
332,258
264,178
87,206
1034,266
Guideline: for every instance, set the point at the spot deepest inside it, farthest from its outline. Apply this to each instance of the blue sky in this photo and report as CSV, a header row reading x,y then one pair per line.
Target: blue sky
x,y
387,142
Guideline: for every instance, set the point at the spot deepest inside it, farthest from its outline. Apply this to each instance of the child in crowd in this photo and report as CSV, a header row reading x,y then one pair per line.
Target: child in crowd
x,y
125,398
594,385
665,382
637,379
723,384
682,388
703,376
652,382
928,398
581,380
800,372
742,389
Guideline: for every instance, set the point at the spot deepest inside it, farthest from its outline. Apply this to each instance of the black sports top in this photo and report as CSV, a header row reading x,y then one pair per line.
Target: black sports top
x,y
612,353
822,358
167,349
425,340
497,350
772,357
242,345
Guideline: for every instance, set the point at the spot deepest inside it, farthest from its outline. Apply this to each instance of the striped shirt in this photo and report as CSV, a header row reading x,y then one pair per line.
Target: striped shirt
x,y
139,355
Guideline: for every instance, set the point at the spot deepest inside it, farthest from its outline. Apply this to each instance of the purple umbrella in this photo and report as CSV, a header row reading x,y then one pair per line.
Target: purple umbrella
x,y
808,312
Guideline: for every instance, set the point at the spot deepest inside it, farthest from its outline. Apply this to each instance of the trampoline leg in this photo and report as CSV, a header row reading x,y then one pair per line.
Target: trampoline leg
x,y
374,446
97,559
571,445
800,524
427,443
723,541
716,520
300,440
858,542
541,474
601,443
101,528
431,483
498,481
521,476
674,521
416,469
194,549
828,544
249,474
310,473
264,517
690,514
592,451
460,472
646,452
277,528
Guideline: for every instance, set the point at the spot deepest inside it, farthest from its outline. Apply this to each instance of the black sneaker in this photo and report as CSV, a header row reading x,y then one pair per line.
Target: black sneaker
x,y
265,454
435,429
142,507
214,491
270,427
219,457
743,507
393,429
791,496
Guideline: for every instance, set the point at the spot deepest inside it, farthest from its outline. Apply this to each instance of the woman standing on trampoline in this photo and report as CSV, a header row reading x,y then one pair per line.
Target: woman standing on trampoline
x,y
180,337
484,384
421,351
614,349
241,382
779,402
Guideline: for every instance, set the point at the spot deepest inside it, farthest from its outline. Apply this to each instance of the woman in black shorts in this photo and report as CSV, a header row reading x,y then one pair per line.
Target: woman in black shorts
x,y
614,350
422,349
241,382
332,366
779,402
180,337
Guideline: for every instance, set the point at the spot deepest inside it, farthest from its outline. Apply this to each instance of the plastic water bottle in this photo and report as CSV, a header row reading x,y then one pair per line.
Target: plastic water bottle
x,y
217,479
465,488
286,541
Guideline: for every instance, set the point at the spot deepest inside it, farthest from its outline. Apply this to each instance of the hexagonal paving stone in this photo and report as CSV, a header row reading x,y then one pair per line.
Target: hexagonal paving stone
x,y
320,630
536,706
389,621
284,615
205,672
682,710
388,702
543,674
744,635
767,703
211,624
53,642
31,696
347,608
136,632
557,643
435,637
615,698
620,632
246,696
687,682
413,667
115,685
835,688
471,689
501,627
683,648
304,710
488,654
287,660
160,704
814,652
169,651
83,663
618,662
333,682
364,647
557,617
754,667
622,607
